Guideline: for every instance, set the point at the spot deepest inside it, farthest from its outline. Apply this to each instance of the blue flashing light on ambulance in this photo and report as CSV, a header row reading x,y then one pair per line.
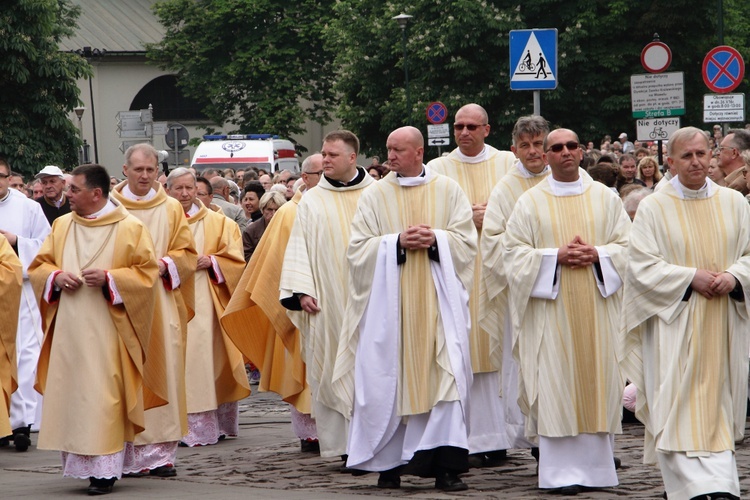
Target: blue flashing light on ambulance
x,y
239,151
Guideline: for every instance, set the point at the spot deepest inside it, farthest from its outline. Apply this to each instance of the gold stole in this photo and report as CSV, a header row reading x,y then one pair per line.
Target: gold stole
x,y
579,316
707,345
423,381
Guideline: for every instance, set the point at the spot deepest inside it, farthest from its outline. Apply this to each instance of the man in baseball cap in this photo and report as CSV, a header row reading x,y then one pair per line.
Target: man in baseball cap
x,y
627,146
54,202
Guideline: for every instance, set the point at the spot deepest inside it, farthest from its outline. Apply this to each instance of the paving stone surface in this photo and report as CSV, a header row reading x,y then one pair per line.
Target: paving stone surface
x,y
265,462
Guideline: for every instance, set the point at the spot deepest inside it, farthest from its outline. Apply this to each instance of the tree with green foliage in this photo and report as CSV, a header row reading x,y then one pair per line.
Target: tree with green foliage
x,y
38,85
458,52
257,66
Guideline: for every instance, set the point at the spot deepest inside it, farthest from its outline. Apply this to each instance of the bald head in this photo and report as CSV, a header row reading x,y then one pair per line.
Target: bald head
x,y
473,109
470,129
220,186
312,169
405,151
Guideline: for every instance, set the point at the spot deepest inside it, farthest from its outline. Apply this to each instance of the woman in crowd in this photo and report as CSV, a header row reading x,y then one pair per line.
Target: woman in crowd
x,y
269,203
250,201
648,172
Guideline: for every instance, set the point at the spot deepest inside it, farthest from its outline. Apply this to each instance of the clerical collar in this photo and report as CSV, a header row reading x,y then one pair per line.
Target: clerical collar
x,y
127,193
194,209
560,188
528,174
361,173
692,194
107,208
482,156
417,180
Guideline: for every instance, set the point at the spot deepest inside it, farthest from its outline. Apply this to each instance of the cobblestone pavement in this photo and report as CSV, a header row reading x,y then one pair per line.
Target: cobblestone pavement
x,y
265,462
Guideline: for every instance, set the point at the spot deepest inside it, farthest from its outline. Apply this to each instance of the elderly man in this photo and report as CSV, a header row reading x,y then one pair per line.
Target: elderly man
x,y
405,350
314,279
258,324
686,294
54,202
154,450
627,146
530,169
221,195
730,158
24,226
99,260
477,167
565,242
265,181
215,377
312,170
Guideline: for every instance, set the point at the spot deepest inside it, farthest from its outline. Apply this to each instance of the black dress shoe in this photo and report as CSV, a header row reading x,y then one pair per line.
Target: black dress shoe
x,y
163,471
449,481
618,463
389,481
22,438
100,486
309,446
495,458
570,490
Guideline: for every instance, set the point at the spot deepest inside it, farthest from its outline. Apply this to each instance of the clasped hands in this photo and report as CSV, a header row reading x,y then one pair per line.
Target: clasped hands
x,y
417,237
577,254
90,277
711,284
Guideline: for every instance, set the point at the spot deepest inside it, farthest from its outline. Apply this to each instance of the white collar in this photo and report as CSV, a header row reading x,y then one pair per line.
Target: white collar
x,y
527,174
565,188
107,208
127,193
692,194
482,156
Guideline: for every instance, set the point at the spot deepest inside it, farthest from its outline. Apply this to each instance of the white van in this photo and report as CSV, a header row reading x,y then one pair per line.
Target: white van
x,y
261,151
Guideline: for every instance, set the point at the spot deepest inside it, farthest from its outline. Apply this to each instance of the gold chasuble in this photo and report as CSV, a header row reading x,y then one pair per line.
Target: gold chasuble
x,y
91,366
315,264
166,222
477,181
425,376
566,347
11,280
215,371
495,281
688,358
258,324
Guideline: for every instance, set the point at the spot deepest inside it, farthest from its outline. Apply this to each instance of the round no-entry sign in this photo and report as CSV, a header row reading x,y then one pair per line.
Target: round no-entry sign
x,y
656,57
723,69
437,113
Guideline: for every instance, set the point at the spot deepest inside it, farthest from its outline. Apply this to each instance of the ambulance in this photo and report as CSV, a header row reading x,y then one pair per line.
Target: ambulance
x,y
261,151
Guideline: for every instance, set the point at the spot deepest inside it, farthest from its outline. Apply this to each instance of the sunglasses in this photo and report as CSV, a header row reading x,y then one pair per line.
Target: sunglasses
x,y
556,148
472,127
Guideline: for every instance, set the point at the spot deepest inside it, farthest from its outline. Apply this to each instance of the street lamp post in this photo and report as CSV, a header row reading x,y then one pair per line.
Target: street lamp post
x,y
402,20
83,151
90,54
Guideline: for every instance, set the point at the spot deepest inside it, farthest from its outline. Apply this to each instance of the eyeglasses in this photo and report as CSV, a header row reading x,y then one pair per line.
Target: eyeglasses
x,y
319,172
470,126
726,147
556,148
4,176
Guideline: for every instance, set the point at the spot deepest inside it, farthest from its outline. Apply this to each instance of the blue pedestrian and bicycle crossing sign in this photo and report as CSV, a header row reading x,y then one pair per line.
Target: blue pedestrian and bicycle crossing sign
x,y
533,59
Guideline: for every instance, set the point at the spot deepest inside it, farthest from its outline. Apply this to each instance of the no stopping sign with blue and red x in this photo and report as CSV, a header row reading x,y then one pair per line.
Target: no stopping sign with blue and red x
x,y
723,69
